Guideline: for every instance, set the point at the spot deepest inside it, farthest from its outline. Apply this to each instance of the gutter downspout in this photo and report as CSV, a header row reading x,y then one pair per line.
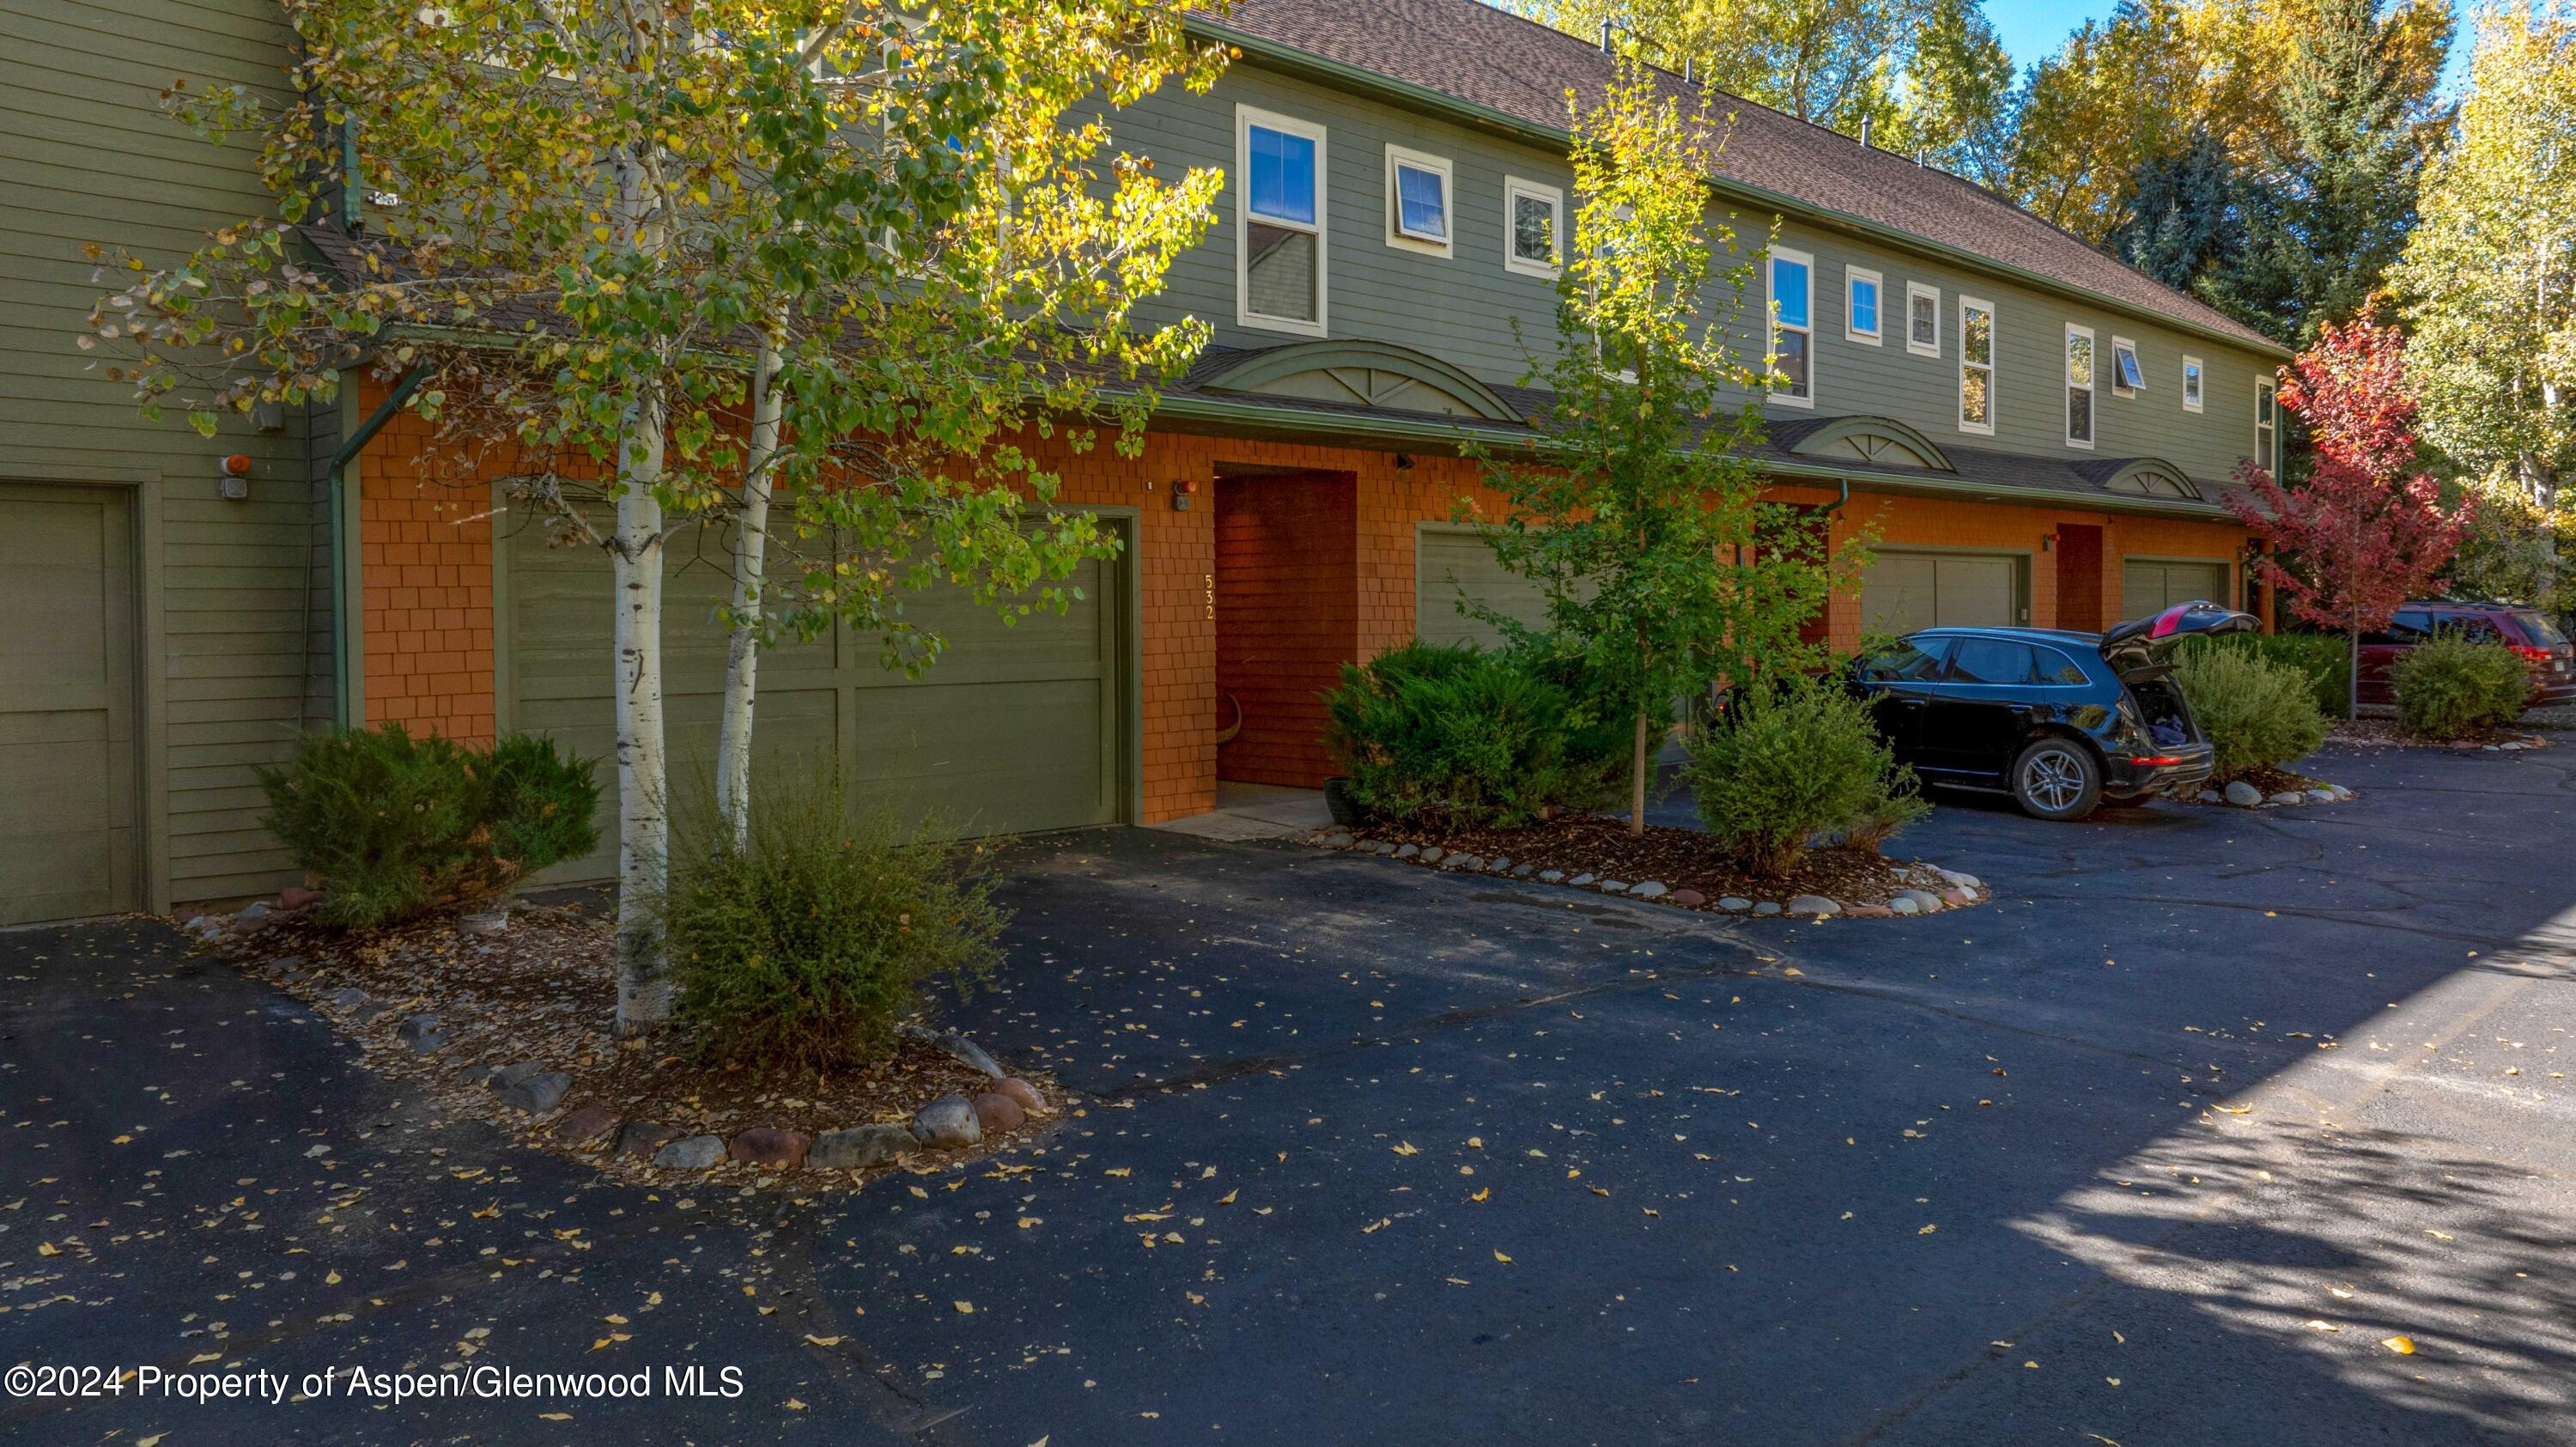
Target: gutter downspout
x,y
341,461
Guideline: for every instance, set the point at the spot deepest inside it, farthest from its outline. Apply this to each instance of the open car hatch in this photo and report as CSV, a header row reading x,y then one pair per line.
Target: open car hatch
x,y
2140,648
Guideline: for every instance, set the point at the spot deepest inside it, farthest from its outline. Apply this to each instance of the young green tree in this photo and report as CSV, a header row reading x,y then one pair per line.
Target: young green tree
x,y
1638,512
599,220
2489,281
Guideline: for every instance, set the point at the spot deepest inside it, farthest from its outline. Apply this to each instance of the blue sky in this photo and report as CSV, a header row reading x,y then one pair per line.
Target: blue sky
x,y
2031,29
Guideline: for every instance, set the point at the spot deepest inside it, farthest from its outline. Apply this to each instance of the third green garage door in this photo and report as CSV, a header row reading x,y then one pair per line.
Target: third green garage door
x,y
1450,561
1014,730
1906,591
2151,585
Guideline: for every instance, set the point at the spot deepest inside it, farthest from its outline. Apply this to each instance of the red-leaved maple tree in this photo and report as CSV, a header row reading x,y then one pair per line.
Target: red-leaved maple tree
x,y
2365,531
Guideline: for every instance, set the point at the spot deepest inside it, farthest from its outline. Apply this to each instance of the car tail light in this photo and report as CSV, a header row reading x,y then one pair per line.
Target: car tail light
x,y
2154,761
2534,655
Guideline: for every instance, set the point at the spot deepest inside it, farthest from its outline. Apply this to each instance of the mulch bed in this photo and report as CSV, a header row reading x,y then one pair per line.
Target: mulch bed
x,y
2383,733
2274,781
545,990
1680,859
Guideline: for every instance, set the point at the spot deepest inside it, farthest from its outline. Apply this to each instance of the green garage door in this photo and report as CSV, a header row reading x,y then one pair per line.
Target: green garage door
x,y
1015,729
1906,591
66,704
2151,585
1450,563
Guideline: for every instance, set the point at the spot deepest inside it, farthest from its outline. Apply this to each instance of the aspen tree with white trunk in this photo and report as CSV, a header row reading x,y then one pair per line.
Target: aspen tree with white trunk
x,y
840,274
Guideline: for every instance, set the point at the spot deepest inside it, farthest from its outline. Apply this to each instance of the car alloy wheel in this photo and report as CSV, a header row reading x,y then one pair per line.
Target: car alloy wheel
x,y
2055,779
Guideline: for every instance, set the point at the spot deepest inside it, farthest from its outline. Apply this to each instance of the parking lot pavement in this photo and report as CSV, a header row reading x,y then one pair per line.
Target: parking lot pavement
x,y
2160,1146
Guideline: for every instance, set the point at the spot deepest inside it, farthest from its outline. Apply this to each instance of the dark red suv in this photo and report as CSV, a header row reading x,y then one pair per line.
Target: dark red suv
x,y
2528,631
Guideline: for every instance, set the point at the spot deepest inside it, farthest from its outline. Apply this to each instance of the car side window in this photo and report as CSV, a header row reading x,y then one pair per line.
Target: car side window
x,y
1991,660
2412,625
2056,667
1908,661
2473,627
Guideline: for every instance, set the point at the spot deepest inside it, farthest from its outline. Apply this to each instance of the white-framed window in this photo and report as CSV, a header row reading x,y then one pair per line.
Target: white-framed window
x,y
2267,426
2079,386
1793,333
1922,319
1417,201
1976,365
1279,223
2128,378
2190,383
1533,225
1861,293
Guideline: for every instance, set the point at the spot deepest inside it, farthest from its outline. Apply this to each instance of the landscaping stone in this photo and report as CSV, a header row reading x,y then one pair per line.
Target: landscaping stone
x,y
1586,877
1870,911
949,1123
769,1146
348,997
2322,796
502,1077
1023,1092
644,1138
1502,864
366,1014
1959,896
1924,900
1815,904
1651,889
1767,907
1689,898
428,1044
2243,795
1523,871
538,1093
1463,861
995,1111
697,1153
1735,902
1551,876
483,921
1434,854
251,915
963,1050
1337,840
2210,796
417,1028
1614,886
1964,881
1408,851
586,1125
2289,796
1904,904
860,1148
296,896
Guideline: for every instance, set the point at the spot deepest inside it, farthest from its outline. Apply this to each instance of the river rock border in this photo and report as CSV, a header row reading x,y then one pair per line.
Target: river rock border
x,y
1933,890
2241,795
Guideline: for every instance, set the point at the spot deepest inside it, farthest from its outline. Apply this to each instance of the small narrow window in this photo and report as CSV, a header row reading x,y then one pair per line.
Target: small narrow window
x,y
2079,386
1976,365
2267,429
1860,305
1792,327
1280,251
1417,201
2128,379
1922,319
2191,384
1533,219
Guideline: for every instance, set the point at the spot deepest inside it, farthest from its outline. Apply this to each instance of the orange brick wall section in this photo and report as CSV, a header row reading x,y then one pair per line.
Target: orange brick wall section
x,y
426,568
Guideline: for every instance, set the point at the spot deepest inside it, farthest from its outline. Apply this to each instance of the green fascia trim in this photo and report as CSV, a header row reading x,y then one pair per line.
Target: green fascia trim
x,y
1841,428
1559,138
1278,362
1232,419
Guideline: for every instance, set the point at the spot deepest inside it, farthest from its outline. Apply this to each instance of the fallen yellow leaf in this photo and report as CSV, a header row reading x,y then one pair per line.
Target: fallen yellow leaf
x,y
2403,1346
964,1308
1499,1256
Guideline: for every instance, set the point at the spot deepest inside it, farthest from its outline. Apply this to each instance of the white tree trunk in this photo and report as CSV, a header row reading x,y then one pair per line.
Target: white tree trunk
x,y
742,651
643,792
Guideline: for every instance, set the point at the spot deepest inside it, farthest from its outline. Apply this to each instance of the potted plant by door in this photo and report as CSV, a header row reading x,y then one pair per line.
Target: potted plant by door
x,y
1338,801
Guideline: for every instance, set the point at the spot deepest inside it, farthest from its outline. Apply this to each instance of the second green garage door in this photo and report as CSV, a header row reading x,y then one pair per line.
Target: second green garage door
x,y
1014,730
1909,590
1451,561
2151,585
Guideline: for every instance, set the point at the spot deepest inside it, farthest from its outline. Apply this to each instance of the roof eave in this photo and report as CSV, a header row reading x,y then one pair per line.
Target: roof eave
x,y
1288,57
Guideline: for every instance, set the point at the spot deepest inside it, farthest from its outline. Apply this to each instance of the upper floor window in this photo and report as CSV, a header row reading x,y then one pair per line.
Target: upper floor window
x,y
1792,327
2079,386
1533,218
2128,379
1976,365
2191,384
1280,243
1417,200
1860,305
1922,319
2267,427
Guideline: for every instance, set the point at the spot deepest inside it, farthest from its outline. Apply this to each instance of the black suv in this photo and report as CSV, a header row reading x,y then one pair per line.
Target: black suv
x,y
2060,720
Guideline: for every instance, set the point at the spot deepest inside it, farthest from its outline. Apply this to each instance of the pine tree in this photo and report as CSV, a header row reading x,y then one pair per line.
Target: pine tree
x,y
2183,221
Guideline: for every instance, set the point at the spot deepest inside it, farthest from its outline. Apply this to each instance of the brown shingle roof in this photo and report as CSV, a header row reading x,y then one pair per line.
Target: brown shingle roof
x,y
1489,58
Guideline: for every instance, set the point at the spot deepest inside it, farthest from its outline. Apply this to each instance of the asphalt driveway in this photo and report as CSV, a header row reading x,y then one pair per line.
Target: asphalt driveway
x,y
2160,1147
